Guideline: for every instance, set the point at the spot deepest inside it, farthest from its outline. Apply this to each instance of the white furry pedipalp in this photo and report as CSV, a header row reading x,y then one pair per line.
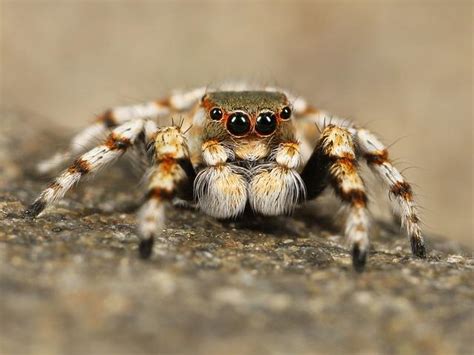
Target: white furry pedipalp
x,y
221,191
275,190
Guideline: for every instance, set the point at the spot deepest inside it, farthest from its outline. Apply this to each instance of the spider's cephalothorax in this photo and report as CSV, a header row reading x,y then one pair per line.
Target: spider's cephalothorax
x,y
261,149
250,154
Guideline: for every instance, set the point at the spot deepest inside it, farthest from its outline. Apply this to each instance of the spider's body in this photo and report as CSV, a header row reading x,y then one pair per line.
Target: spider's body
x,y
263,150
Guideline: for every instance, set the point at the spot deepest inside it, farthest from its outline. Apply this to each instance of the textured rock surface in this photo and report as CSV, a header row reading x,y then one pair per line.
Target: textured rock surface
x,y
70,282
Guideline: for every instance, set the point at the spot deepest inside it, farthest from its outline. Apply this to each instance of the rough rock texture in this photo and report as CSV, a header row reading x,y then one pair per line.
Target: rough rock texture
x,y
71,282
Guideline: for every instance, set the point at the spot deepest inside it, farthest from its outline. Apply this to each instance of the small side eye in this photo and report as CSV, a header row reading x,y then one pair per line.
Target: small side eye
x,y
216,113
285,113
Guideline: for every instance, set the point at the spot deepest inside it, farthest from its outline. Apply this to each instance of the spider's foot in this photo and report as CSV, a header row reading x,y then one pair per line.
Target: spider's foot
x,y
35,209
418,247
145,248
359,258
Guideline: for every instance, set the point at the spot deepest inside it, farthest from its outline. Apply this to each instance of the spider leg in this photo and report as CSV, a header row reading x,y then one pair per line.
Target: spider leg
x,y
171,170
376,155
118,141
87,138
80,143
334,161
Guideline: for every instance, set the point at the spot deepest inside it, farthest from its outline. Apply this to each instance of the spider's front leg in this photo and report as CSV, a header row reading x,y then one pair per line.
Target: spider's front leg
x,y
334,160
171,170
118,141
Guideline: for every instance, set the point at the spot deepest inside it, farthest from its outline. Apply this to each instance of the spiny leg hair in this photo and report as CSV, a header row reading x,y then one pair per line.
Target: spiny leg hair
x,y
87,138
335,156
376,156
171,168
118,141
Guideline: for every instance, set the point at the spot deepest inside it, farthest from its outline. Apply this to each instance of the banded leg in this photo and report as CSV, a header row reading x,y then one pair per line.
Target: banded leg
x,y
172,168
80,143
334,161
376,155
87,138
310,122
113,147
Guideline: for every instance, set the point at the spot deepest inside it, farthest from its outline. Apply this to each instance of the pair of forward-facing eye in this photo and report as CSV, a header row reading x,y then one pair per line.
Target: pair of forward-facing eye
x,y
239,124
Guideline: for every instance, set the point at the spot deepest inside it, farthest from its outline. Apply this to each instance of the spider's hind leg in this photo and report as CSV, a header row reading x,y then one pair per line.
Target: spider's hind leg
x,y
112,118
82,141
105,123
376,155
171,170
334,161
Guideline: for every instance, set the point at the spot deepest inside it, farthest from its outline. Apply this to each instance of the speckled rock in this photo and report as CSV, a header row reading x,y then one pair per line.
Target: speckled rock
x,y
71,282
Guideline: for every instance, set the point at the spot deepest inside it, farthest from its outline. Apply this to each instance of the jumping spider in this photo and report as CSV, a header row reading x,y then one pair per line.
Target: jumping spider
x,y
244,149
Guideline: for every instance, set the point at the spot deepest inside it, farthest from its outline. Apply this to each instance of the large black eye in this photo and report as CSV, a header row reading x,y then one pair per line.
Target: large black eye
x,y
285,113
266,123
216,113
238,124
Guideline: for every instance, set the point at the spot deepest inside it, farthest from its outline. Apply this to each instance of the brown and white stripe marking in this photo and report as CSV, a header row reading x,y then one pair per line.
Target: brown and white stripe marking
x,y
177,102
309,118
113,147
171,167
377,158
338,146
376,155
164,179
80,143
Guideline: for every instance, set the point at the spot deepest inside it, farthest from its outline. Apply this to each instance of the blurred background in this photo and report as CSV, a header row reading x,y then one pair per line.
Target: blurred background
x,y
403,69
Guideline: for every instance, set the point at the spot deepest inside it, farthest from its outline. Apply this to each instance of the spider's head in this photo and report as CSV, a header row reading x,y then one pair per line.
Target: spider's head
x,y
247,114
246,120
